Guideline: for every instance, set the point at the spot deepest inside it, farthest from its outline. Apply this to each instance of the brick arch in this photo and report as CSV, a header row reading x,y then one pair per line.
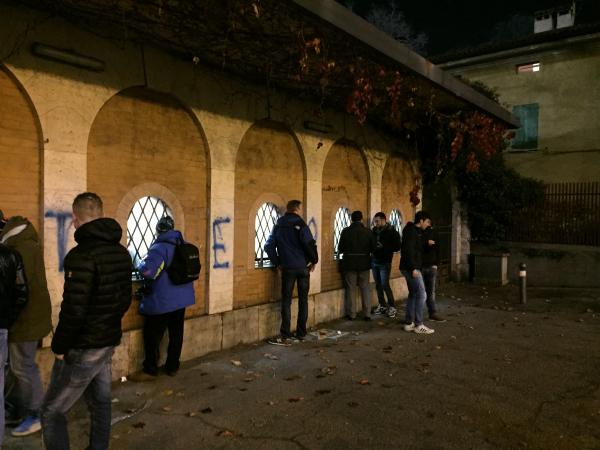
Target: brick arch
x,y
21,152
397,181
269,165
346,182
143,142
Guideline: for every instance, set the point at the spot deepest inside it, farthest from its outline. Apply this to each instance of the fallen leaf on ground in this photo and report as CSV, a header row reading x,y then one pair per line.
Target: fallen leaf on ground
x,y
139,425
293,377
272,403
191,414
248,379
322,391
207,410
271,356
225,433
236,363
168,392
364,382
180,394
295,399
166,408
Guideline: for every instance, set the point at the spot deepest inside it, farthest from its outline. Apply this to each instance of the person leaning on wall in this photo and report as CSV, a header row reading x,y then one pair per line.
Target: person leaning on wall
x,y
13,298
33,324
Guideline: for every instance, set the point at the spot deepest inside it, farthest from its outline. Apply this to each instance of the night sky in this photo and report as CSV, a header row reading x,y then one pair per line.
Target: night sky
x,y
455,24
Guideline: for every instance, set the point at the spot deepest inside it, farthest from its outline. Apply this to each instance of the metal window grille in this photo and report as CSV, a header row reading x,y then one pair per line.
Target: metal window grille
x,y
266,218
396,220
141,227
342,220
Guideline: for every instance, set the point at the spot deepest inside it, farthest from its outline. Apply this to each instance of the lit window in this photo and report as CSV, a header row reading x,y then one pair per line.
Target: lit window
x,y
396,220
530,67
265,220
342,220
141,227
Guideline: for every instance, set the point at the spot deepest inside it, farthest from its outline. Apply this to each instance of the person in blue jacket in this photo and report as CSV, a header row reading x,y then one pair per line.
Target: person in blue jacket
x,y
293,251
163,303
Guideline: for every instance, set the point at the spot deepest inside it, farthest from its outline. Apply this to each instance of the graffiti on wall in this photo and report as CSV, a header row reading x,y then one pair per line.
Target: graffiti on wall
x,y
63,222
218,243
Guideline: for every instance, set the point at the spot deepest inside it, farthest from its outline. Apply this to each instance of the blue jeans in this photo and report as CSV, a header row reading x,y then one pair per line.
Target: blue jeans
x,y
82,372
429,278
381,274
3,355
288,279
27,373
416,298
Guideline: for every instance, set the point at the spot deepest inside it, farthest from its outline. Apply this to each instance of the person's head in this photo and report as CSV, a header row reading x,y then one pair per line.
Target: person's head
x,y
379,220
294,206
165,224
2,220
87,206
422,220
356,216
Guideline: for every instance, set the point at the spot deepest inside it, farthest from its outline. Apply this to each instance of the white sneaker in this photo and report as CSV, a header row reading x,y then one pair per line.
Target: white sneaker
x,y
409,327
391,312
422,329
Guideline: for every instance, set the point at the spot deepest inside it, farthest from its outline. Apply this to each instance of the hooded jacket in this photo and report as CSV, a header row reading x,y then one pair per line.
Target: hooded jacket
x,y
163,296
411,253
291,244
387,242
13,286
97,290
357,243
35,321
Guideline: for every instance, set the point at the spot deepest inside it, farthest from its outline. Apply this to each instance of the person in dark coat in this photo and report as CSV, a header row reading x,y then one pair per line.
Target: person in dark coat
x,y
293,251
356,246
387,242
431,261
411,264
13,298
33,324
97,293
163,305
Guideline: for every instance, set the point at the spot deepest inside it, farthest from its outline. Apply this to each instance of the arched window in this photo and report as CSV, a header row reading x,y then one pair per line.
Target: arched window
x,y
266,218
342,220
141,226
396,220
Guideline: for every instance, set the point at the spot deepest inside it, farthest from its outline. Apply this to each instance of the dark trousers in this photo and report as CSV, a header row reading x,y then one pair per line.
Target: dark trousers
x,y
381,274
288,278
429,278
82,372
154,330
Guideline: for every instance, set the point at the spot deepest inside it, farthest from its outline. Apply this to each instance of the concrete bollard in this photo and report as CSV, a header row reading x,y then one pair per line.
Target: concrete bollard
x,y
523,283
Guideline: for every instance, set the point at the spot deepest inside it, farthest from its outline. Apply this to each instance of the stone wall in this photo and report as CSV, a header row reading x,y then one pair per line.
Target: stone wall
x,y
212,146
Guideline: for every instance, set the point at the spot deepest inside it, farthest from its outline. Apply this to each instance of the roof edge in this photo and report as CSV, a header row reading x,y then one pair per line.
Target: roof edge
x,y
357,27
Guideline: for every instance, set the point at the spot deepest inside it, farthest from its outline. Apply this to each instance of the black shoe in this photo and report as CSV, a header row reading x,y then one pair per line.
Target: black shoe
x,y
170,372
300,337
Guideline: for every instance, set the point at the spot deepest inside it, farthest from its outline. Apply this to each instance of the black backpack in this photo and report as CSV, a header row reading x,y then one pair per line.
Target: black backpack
x,y
185,266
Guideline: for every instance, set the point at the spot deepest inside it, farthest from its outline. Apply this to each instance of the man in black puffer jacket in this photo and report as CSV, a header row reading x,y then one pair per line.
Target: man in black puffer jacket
x,y
97,294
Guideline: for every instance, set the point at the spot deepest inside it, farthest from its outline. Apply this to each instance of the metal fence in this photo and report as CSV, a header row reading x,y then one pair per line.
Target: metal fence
x,y
569,213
